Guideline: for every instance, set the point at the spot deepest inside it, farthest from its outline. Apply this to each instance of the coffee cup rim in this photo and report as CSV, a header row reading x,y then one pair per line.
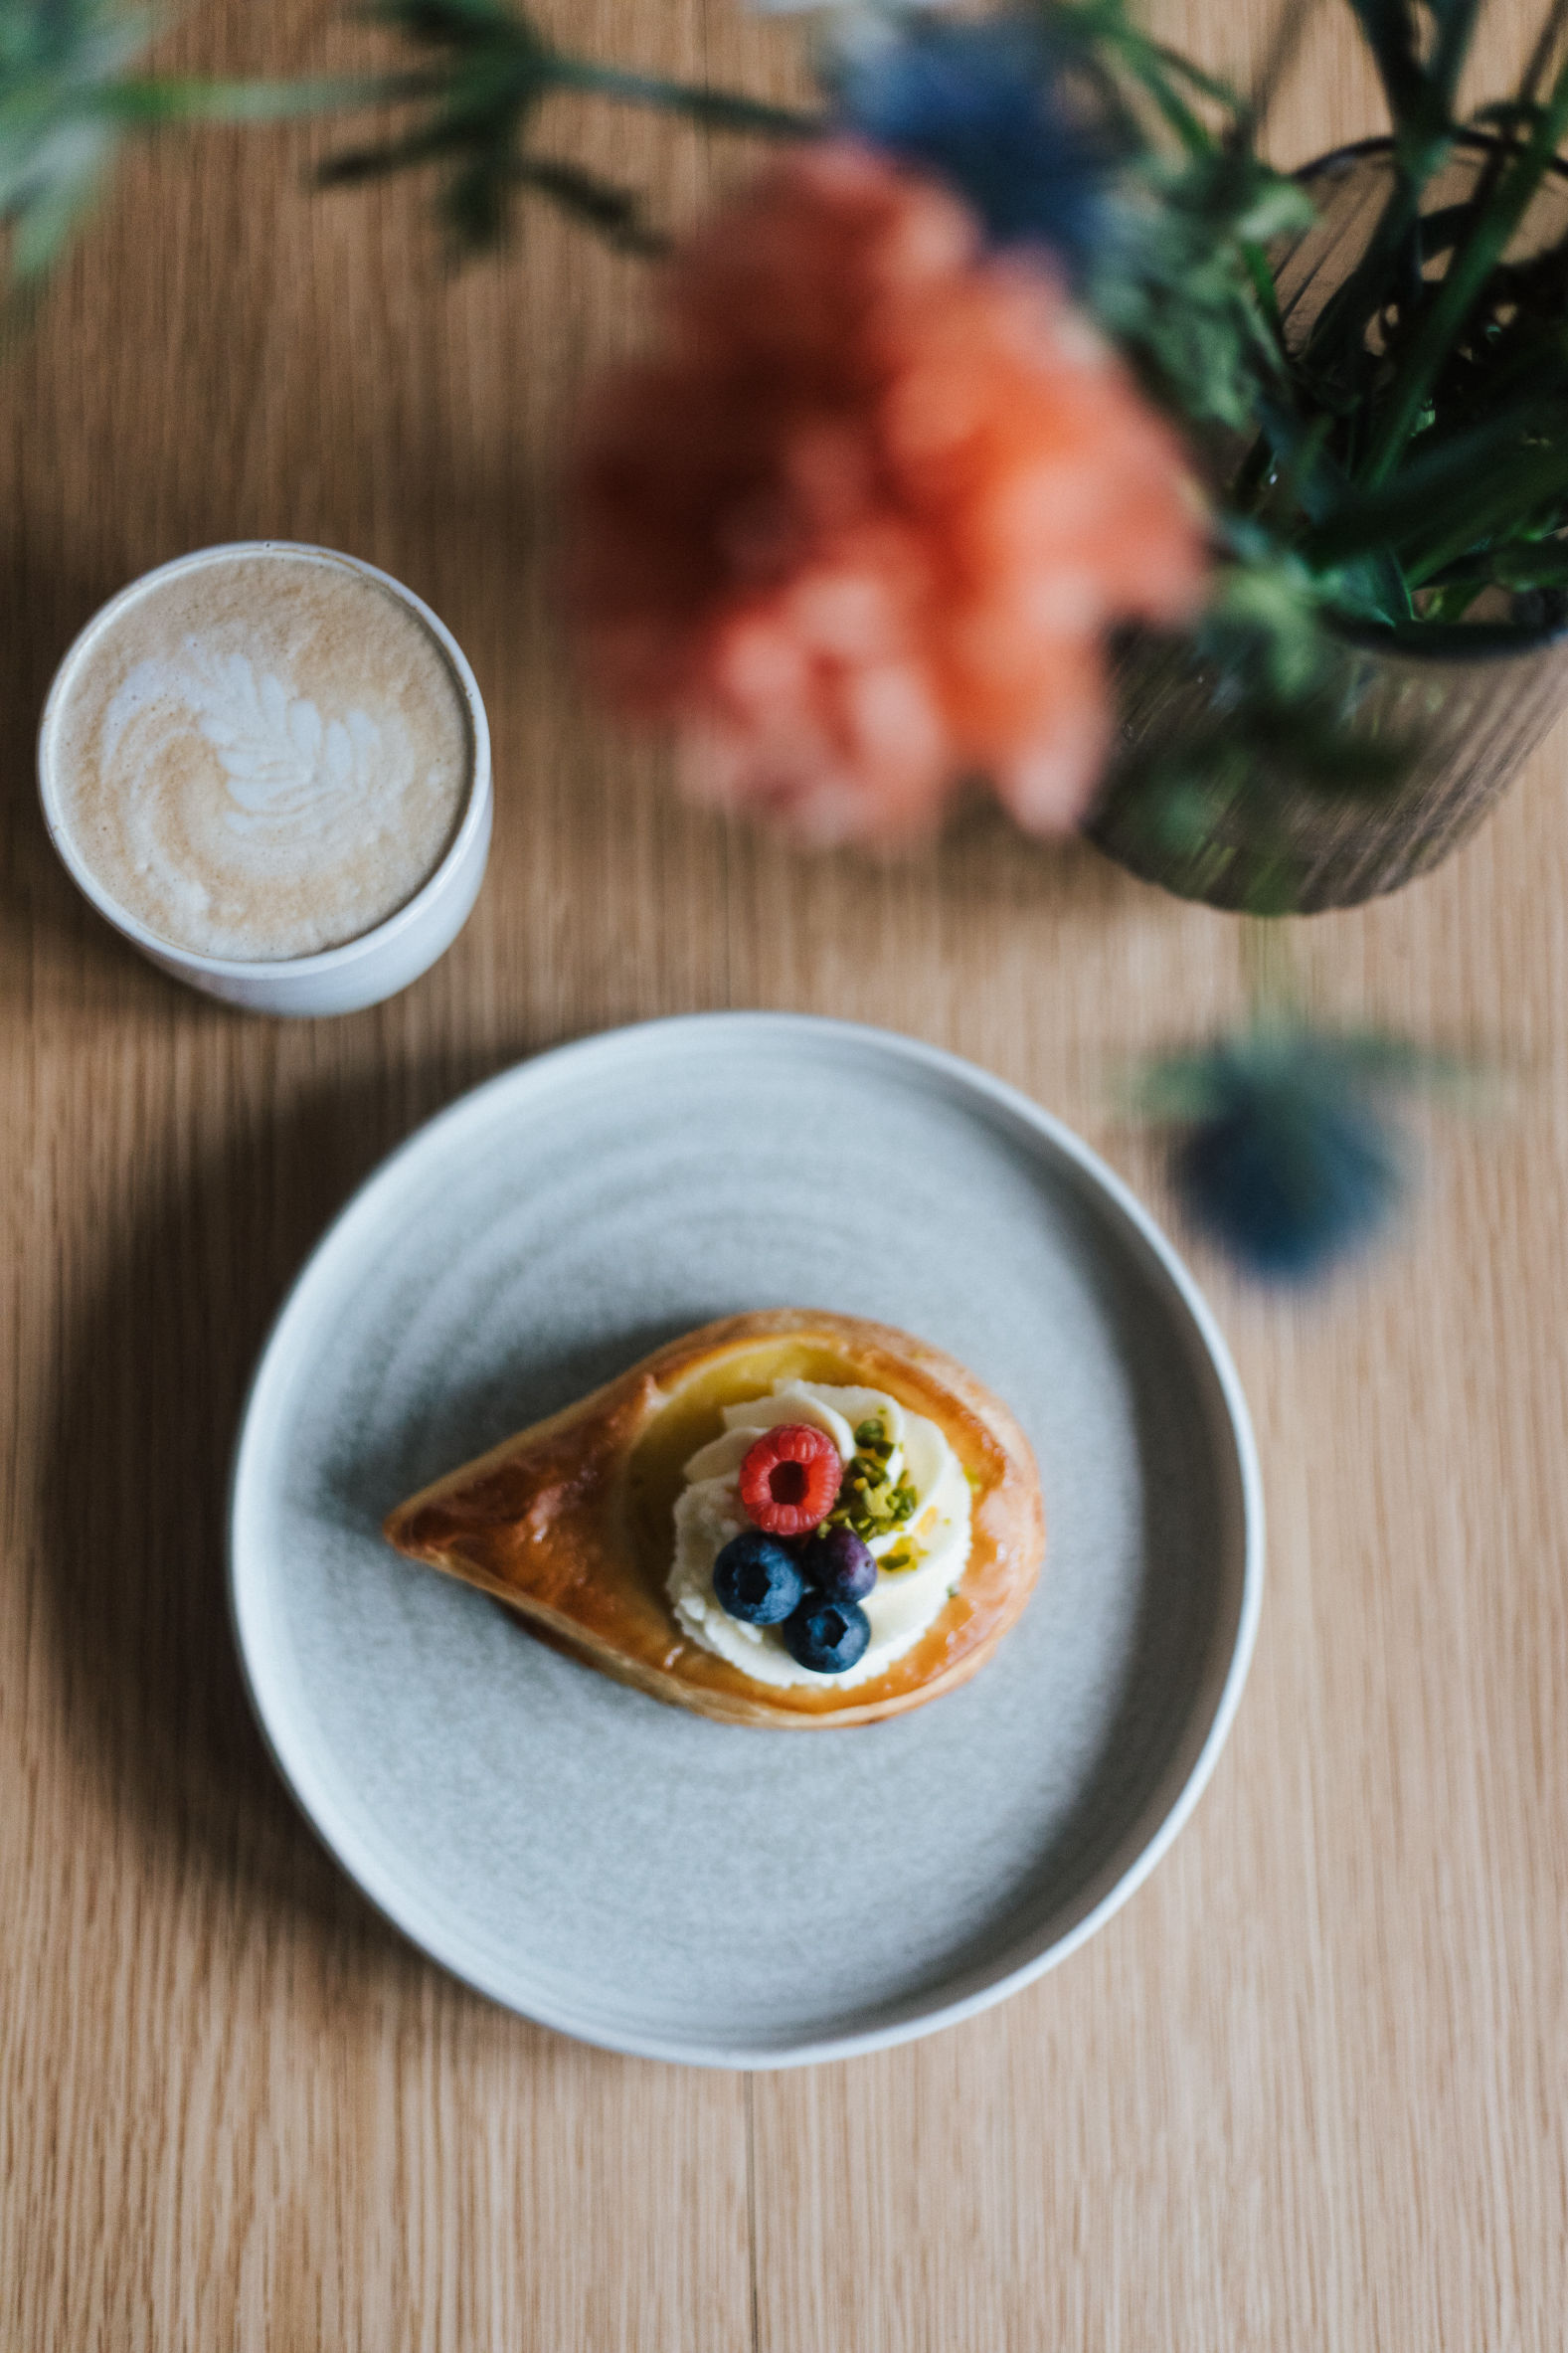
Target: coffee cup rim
x,y
321,960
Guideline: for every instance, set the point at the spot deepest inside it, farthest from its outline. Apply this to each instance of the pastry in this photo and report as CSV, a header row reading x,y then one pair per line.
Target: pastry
x,y
786,1519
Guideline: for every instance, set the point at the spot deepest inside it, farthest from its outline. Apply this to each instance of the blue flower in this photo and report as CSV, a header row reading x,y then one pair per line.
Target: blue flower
x,y
983,107
1284,1156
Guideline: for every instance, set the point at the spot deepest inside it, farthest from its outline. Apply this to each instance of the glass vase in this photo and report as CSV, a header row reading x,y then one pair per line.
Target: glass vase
x,y
1469,713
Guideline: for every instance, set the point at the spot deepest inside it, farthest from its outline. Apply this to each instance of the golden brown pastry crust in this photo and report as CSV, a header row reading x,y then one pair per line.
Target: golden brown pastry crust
x,y
566,1522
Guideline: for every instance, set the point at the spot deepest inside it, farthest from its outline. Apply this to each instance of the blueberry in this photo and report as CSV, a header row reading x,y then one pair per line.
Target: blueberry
x,y
826,1636
838,1564
756,1581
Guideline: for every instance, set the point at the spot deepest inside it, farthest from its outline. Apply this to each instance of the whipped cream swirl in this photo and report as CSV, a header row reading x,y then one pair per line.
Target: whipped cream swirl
x,y
935,1537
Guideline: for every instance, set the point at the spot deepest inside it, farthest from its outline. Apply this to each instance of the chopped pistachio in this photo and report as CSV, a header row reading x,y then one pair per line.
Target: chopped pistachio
x,y
869,1502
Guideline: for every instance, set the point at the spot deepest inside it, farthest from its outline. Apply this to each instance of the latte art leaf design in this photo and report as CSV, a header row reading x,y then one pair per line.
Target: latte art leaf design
x,y
281,759
283,765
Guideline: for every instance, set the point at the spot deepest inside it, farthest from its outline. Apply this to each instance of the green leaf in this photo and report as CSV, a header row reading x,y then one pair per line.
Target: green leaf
x,y
64,172
1531,564
1475,481
1497,215
453,24
1393,36
614,213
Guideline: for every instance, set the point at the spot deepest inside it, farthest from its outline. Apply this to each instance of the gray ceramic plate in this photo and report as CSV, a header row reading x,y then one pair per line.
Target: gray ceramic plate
x,y
618,1869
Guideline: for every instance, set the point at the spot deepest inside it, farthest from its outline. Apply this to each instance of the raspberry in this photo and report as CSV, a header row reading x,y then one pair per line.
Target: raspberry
x,y
789,1479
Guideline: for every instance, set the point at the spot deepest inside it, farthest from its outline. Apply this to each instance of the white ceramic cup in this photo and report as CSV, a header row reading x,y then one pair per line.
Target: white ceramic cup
x,y
361,970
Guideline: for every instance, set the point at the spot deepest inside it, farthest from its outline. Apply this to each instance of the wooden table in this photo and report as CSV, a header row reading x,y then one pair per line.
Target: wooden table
x,y
1307,2088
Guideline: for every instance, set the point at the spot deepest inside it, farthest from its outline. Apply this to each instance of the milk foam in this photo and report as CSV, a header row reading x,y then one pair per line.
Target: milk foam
x,y
262,756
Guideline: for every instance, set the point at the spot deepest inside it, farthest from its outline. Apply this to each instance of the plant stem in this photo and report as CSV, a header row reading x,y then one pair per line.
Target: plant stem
x,y
696,98
176,98
1268,960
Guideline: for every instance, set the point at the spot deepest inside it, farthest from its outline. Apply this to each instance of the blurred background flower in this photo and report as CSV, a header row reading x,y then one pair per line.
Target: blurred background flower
x,y
1284,1157
988,107
860,524
1287,1150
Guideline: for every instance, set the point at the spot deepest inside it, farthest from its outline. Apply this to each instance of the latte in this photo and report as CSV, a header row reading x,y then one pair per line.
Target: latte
x,y
262,753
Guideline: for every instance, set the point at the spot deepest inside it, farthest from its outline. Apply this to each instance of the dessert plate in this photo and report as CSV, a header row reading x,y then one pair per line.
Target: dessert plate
x,y
620,1870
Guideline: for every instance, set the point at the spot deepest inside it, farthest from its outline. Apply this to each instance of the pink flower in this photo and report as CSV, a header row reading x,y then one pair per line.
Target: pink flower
x,y
860,526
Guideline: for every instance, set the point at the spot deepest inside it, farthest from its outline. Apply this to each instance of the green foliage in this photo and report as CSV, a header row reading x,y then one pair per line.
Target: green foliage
x,y
1407,460
62,70
1437,375
1179,284
1181,279
476,106
68,97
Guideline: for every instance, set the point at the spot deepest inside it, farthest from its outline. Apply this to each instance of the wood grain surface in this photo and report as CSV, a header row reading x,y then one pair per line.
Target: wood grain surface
x,y
1307,2090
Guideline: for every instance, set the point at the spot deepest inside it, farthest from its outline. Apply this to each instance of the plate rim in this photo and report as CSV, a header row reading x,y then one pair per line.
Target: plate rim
x,y
378,1889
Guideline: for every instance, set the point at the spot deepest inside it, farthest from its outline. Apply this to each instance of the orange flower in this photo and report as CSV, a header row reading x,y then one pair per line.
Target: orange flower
x,y
859,528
